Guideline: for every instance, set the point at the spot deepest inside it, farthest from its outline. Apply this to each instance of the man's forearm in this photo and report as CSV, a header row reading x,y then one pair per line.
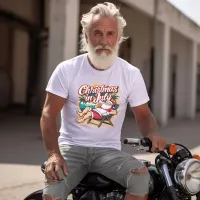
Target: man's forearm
x,y
147,125
49,134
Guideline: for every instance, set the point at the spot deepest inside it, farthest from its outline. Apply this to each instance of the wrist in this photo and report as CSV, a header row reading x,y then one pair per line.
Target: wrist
x,y
54,153
152,133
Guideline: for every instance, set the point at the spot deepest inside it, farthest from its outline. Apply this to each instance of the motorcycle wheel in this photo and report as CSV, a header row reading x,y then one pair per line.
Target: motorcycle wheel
x,y
165,196
35,196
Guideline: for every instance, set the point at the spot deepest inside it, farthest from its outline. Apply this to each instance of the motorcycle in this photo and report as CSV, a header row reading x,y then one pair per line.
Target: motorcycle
x,y
175,176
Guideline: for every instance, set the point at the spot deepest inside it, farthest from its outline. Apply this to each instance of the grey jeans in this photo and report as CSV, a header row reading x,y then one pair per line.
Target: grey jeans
x,y
112,163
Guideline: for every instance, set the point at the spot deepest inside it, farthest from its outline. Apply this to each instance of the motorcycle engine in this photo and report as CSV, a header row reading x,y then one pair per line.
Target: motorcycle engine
x,y
113,196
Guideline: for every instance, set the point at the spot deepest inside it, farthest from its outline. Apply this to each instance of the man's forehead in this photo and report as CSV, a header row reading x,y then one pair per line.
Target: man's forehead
x,y
107,22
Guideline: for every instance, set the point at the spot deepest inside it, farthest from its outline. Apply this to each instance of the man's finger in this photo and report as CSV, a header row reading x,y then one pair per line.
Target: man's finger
x,y
154,145
65,169
50,171
162,145
57,171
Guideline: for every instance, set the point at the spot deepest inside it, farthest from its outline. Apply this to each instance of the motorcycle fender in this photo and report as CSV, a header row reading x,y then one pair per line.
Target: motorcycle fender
x,y
37,195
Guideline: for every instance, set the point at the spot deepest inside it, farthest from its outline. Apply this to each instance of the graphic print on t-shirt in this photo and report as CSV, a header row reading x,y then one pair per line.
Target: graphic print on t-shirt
x,y
98,104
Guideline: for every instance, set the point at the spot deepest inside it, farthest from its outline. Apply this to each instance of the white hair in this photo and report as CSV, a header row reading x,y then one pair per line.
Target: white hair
x,y
103,10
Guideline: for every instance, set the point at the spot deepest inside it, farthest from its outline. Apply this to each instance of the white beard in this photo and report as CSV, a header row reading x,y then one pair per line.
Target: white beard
x,y
102,61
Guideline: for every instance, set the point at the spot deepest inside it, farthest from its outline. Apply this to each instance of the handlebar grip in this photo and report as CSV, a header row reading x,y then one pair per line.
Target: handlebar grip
x,y
146,142
126,141
134,141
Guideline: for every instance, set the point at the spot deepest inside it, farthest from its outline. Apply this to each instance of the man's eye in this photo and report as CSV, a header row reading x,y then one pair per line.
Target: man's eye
x,y
97,33
110,33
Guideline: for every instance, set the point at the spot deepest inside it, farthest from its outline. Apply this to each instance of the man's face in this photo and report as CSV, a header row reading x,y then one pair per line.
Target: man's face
x,y
103,34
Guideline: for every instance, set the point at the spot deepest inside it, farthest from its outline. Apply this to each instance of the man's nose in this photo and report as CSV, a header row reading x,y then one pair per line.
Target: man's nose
x,y
104,40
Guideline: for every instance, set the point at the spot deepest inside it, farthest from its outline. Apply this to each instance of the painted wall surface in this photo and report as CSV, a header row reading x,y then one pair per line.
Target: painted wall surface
x,y
179,48
27,9
167,13
198,82
5,83
20,66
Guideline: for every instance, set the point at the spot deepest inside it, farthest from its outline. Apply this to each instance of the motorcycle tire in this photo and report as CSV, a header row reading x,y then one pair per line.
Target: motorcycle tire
x,y
35,196
165,196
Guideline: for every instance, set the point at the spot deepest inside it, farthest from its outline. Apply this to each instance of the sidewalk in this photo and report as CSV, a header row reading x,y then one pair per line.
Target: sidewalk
x,y
22,150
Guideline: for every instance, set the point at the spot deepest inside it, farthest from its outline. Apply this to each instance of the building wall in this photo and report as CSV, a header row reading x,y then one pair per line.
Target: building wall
x,y
5,61
198,57
27,9
20,66
167,13
179,48
198,82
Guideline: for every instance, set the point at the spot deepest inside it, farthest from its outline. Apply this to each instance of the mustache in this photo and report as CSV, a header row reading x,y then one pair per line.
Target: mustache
x,y
103,47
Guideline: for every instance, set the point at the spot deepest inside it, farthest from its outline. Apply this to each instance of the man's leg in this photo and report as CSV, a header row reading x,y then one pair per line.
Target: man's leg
x,y
124,169
77,169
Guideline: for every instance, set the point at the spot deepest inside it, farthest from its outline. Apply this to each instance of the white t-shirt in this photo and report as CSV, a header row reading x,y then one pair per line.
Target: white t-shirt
x,y
96,101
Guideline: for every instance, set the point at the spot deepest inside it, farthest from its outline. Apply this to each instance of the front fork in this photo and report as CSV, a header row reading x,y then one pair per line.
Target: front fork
x,y
170,187
198,196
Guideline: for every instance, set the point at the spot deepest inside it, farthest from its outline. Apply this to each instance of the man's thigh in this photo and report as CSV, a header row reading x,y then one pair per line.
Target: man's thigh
x,y
120,167
75,158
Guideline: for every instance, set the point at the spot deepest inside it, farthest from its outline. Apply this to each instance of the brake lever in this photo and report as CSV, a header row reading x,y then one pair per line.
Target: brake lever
x,y
146,142
146,149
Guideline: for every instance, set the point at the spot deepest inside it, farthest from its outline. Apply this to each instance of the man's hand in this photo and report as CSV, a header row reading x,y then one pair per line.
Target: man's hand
x,y
158,143
54,164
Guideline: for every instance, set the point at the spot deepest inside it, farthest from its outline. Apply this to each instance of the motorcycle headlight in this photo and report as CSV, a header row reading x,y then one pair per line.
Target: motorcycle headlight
x,y
187,175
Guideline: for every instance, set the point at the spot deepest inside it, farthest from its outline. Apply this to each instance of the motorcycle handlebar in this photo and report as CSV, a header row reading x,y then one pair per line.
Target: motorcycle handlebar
x,y
145,142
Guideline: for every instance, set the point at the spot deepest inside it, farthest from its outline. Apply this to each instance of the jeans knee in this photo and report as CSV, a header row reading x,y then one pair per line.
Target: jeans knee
x,y
55,190
51,197
143,170
138,182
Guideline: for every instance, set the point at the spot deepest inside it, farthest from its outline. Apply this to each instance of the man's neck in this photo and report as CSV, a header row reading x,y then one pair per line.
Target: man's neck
x,y
94,66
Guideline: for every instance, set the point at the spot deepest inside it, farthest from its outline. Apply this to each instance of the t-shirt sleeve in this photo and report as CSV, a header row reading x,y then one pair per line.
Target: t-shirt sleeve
x,y
138,93
58,82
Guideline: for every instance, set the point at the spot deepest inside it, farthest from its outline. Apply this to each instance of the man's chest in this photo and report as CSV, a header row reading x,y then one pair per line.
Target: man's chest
x,y
93,91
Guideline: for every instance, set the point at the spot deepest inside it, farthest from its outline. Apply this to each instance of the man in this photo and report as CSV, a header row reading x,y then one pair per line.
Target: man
x,y
98,75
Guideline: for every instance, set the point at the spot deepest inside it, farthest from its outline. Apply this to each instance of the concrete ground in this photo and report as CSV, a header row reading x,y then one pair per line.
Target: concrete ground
x,y
22,150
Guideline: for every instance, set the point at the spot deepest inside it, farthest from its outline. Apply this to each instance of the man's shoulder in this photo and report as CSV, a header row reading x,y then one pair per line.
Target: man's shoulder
x,y
123,64
72,62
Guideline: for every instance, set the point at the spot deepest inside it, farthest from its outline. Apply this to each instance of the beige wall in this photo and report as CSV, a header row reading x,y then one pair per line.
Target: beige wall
x,y
167,13
27,9
5,84
20,66
198,81
4,41
179,46
139,29
198,57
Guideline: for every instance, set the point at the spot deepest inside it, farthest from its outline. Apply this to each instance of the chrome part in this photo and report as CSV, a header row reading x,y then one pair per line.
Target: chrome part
x,y
166,175
187,175
145,162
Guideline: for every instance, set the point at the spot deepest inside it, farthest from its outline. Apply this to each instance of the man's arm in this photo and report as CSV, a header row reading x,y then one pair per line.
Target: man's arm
x,y
148,126
52,107
145,120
